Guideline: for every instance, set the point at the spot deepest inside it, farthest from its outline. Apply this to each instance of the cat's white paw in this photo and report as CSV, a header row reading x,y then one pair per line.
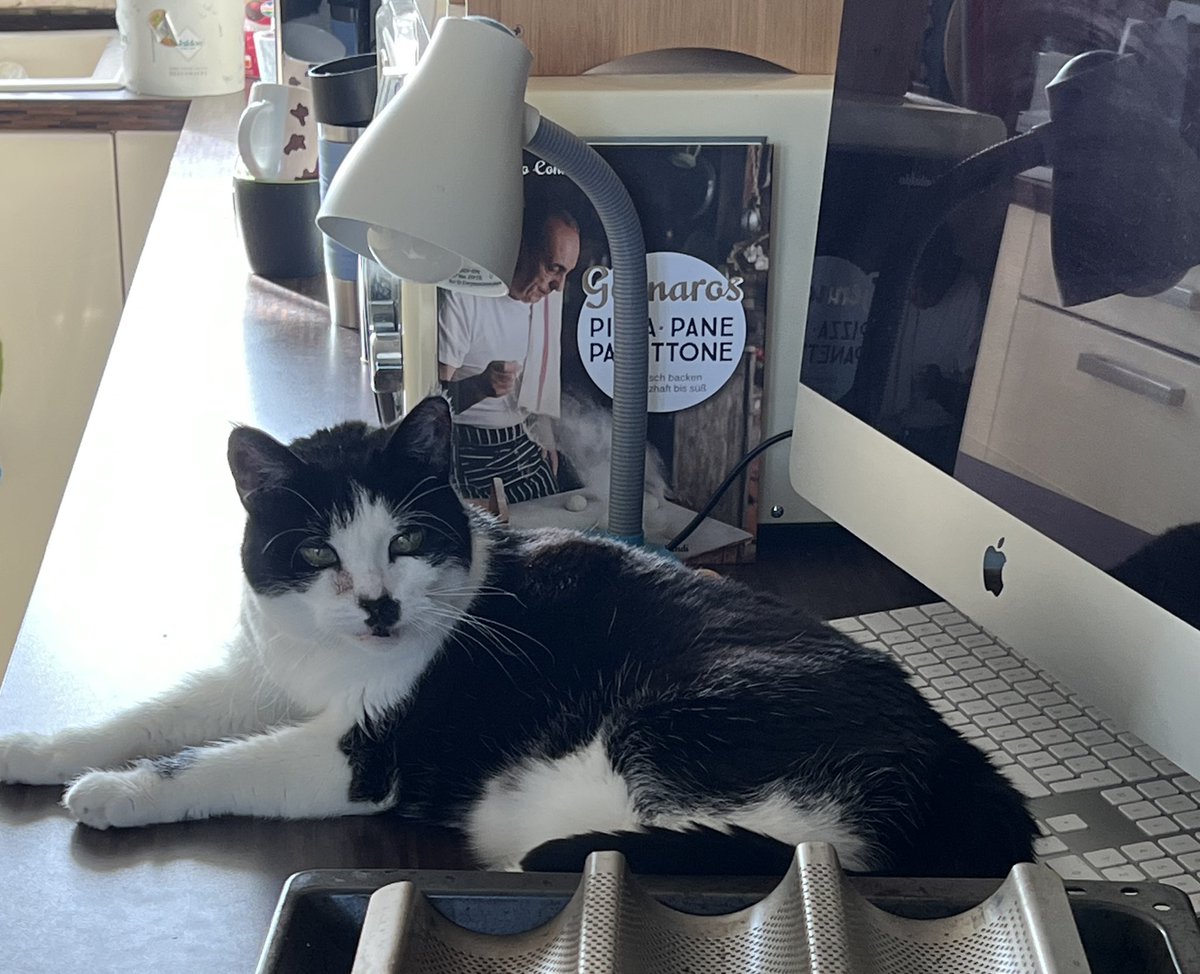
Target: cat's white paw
x,y
117,799
37,759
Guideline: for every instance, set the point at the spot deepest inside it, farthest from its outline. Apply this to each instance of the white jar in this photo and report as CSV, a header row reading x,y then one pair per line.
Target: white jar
x,y
182,48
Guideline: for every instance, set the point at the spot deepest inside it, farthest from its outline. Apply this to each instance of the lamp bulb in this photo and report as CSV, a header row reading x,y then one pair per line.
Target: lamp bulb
x,y
412,258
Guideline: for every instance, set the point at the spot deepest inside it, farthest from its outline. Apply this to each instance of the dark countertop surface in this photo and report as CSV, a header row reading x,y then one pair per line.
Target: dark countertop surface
x,y
140,584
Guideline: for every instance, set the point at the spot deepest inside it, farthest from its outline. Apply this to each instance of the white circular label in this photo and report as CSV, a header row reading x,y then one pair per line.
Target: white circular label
x,y
697,329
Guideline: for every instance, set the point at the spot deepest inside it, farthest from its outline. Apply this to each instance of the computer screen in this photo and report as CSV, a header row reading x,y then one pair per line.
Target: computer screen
x,y
1033,463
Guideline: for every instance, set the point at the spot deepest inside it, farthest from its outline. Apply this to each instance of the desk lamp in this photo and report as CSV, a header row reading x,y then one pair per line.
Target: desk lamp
x,y
1125,212
433,192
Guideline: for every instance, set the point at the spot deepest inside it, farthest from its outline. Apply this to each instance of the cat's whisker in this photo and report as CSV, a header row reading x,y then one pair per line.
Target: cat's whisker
x,y
279,535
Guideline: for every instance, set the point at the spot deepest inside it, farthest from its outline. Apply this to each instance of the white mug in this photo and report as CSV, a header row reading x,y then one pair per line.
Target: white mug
x,y
277,133
305,45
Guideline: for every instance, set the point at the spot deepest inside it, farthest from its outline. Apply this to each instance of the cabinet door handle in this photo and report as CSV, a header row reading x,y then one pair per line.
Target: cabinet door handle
x,y
1127,377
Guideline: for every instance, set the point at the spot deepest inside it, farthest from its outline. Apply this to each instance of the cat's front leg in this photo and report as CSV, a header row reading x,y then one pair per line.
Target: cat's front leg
x,y
291,772
208,706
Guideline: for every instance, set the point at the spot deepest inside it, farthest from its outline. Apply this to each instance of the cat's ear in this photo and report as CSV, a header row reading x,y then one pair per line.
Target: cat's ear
x,y
424,437
259,462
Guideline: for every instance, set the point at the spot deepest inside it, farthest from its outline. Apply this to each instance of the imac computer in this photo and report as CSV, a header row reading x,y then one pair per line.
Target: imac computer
x,y
1037,465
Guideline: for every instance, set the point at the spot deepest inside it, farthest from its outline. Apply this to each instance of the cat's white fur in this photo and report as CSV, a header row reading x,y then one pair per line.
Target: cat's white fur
x,y
301,672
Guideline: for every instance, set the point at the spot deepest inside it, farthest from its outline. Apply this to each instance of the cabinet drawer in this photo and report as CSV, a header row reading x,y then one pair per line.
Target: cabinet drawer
x,y
1167,319
1099,417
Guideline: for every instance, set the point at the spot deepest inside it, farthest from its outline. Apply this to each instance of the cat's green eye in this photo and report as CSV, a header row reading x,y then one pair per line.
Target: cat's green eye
x,y
319,555
407,542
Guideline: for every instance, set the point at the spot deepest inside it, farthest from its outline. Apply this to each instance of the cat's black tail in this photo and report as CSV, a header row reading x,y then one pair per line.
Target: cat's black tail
x,y
695,851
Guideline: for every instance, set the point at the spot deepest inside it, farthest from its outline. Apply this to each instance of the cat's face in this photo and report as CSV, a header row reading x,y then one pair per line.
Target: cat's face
x,y
354,536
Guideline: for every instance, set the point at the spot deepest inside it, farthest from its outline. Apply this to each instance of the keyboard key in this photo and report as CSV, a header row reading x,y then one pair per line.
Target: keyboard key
x,y
948,618
1177,845
1025,782
977,641
991,686
985,744
1186,783
848,626
1164,767
943,707
1123,874
1072,867
953,717
1089,779
1189,884
1085,763
1076,725
1121,796
1132,769
909,616
1173,804
1093,738
921,659
975,676
1138,810
1052,736
1040,724
962,629
879,622
1157,826
1000,663
972,707
1005,732
1055,773
992,719
1146,753
1048,845
1066,823
905,650
924,629
1129,739
1189,860
1138,851
934,671
1030,687
1001,758
1048,699
1068,750
1064,712
1037,759
991,651
1020,710
962,696
1018,674
1157,789
936,640
953,682
1021,745
1189,820
1161,868
1109,751
895,638
1105,857
1006,699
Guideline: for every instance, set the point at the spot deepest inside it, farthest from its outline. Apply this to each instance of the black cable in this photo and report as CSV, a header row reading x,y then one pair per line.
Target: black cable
x,y
695,522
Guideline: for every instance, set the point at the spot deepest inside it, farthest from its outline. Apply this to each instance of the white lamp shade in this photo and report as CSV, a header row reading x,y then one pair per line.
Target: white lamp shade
x,y
433,188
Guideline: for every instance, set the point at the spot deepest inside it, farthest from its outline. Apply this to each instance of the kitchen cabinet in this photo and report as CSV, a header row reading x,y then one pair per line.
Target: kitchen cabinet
x,y
1097,406
74,212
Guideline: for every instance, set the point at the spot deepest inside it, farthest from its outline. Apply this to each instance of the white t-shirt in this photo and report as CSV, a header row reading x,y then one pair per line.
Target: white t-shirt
x,y
475,331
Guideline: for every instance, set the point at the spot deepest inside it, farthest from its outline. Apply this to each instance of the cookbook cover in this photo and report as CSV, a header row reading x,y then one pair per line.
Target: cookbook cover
x,y
530,374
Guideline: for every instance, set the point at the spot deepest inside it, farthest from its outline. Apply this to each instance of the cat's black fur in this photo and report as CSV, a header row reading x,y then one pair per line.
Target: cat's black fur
x,y
706,693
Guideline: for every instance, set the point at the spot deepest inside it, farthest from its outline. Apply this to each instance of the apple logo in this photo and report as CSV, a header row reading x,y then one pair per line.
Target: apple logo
x,y
993,568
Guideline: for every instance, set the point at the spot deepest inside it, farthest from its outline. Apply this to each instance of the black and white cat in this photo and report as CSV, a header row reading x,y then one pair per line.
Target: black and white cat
x,y
540,691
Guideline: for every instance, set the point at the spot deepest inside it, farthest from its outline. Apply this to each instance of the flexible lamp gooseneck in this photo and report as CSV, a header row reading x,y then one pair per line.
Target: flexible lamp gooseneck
x,y
433,192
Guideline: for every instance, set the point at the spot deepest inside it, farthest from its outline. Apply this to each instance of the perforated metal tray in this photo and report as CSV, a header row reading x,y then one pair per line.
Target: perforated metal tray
x,y
1138,928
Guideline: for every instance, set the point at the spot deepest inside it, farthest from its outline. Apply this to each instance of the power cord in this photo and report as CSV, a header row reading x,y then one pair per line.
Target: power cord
x,y
741,465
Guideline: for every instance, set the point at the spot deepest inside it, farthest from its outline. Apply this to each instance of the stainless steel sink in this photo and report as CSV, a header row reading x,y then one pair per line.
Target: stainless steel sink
x,y
60,60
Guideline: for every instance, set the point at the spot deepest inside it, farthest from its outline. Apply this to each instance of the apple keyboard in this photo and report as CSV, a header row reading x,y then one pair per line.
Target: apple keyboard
x,y
1108,806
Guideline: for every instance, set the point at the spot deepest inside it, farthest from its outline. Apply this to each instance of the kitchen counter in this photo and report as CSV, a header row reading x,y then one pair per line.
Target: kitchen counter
x,y
140,583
